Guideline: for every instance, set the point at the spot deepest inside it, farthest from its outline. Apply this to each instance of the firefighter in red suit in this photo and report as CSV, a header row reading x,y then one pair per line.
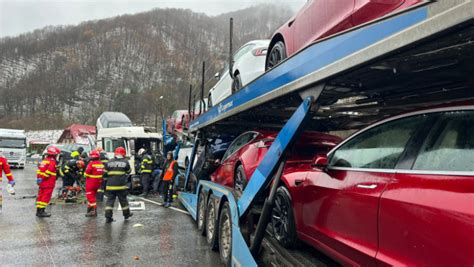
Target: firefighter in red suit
x,y
4,167
46,180
94,173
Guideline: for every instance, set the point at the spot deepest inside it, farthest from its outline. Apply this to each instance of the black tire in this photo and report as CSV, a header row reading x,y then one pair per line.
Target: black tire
x,y
277,54
236,83
201,213
225,235
240,180
211,224
283,219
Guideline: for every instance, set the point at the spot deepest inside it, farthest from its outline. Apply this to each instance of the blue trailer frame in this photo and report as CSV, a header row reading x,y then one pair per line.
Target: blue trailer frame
x,y
300,72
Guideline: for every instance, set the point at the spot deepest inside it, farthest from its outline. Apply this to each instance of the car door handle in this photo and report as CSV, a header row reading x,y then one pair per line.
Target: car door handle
x,y
367,186
291,22
298,182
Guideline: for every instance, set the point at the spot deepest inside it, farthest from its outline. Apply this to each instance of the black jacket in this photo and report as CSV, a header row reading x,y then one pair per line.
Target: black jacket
x,y
118,171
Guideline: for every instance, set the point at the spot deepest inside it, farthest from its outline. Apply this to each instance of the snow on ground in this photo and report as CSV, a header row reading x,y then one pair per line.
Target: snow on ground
x,y
47,136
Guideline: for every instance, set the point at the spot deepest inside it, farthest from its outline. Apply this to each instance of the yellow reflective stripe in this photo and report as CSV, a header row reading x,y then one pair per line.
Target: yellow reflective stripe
x,y
9,174
121,187
100,191
125,208
98,165
109,208
146,171
93,176
42,173
45,162
116,173
50,172
147,161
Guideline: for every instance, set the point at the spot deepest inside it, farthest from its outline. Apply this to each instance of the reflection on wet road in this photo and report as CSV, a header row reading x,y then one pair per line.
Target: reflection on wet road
x,y
167,237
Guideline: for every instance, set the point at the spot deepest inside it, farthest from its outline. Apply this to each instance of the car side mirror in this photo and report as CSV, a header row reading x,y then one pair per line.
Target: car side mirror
x,y
320,161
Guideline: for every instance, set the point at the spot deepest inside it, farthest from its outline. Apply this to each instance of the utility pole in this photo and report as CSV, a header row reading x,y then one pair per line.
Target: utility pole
x,y
201,103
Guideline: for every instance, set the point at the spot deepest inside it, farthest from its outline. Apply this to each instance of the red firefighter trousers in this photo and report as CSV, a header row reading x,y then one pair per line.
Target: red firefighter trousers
x,y
44,196
92,185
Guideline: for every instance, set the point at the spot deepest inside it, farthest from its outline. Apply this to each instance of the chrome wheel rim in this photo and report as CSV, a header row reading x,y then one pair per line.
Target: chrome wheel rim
x,y
226,236
211,223
276,56
280,218
201,212
239,183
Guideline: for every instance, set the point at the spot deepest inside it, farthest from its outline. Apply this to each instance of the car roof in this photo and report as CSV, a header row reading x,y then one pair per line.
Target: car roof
x,y
115,116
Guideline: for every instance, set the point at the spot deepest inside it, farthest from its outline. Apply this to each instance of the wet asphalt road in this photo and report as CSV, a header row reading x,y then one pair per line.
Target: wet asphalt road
x,y
167,238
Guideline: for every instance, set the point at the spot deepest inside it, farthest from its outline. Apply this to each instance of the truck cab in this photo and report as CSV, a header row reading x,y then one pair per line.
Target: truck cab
x,y
130,138
13,147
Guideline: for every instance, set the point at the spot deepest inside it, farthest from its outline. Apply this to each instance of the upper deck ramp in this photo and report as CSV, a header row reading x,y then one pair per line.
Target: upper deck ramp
x,y
399,63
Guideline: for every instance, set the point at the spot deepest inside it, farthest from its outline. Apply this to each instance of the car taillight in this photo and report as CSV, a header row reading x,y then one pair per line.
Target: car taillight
x,y
260,51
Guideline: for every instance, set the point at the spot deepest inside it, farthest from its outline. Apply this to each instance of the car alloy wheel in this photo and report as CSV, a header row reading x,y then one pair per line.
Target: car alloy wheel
x,y
240,179
283,223
225,235
211,223
236,83
277,55
201,213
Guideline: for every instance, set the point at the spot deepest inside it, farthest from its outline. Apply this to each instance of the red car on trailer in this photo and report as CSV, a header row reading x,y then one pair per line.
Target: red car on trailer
x,y
398,193
321,18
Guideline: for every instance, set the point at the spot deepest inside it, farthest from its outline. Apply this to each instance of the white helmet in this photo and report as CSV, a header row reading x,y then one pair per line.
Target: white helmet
x,y
141,151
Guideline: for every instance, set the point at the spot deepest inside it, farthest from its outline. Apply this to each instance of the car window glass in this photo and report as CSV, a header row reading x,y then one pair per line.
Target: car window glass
x,y
238,143
379,147
450,145
242,51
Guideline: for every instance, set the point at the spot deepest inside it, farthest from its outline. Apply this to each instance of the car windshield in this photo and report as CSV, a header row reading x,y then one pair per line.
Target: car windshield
x,y
12,143
114,124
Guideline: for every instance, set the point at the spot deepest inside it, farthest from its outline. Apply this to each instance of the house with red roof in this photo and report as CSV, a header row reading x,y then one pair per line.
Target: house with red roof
x,y
77,134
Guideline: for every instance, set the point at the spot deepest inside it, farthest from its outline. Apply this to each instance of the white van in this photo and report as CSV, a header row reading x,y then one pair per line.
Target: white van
x,y
130,138
112,120
13,147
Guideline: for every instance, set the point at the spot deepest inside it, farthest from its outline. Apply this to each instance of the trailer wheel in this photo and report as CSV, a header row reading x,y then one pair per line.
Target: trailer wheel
x,y
211,223
283,220
201,213
240,180
225,235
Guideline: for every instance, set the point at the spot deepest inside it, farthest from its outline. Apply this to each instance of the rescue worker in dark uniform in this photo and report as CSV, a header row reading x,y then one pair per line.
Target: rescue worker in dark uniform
x,y
170,170
118,170
71,173
146,168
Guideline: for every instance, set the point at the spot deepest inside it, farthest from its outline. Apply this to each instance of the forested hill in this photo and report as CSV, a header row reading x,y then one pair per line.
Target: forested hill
x,y
67,74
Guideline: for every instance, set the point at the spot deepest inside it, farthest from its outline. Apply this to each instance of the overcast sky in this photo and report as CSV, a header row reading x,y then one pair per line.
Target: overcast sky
x,y
20,16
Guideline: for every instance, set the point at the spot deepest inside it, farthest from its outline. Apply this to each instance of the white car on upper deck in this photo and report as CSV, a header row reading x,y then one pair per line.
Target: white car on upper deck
x,y
249,63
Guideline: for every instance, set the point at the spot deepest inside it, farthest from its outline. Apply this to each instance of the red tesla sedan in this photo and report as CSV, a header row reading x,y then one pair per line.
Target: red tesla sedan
x,y
247,150
322,18
399,193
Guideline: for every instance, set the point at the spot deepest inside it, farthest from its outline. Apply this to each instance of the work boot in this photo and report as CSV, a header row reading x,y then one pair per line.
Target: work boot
x,y
109,219
91,212
42,213
167,205
128,216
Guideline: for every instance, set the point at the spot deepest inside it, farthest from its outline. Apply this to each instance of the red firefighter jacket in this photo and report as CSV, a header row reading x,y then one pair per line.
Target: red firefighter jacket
x,y
5,168
95,170
47,172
